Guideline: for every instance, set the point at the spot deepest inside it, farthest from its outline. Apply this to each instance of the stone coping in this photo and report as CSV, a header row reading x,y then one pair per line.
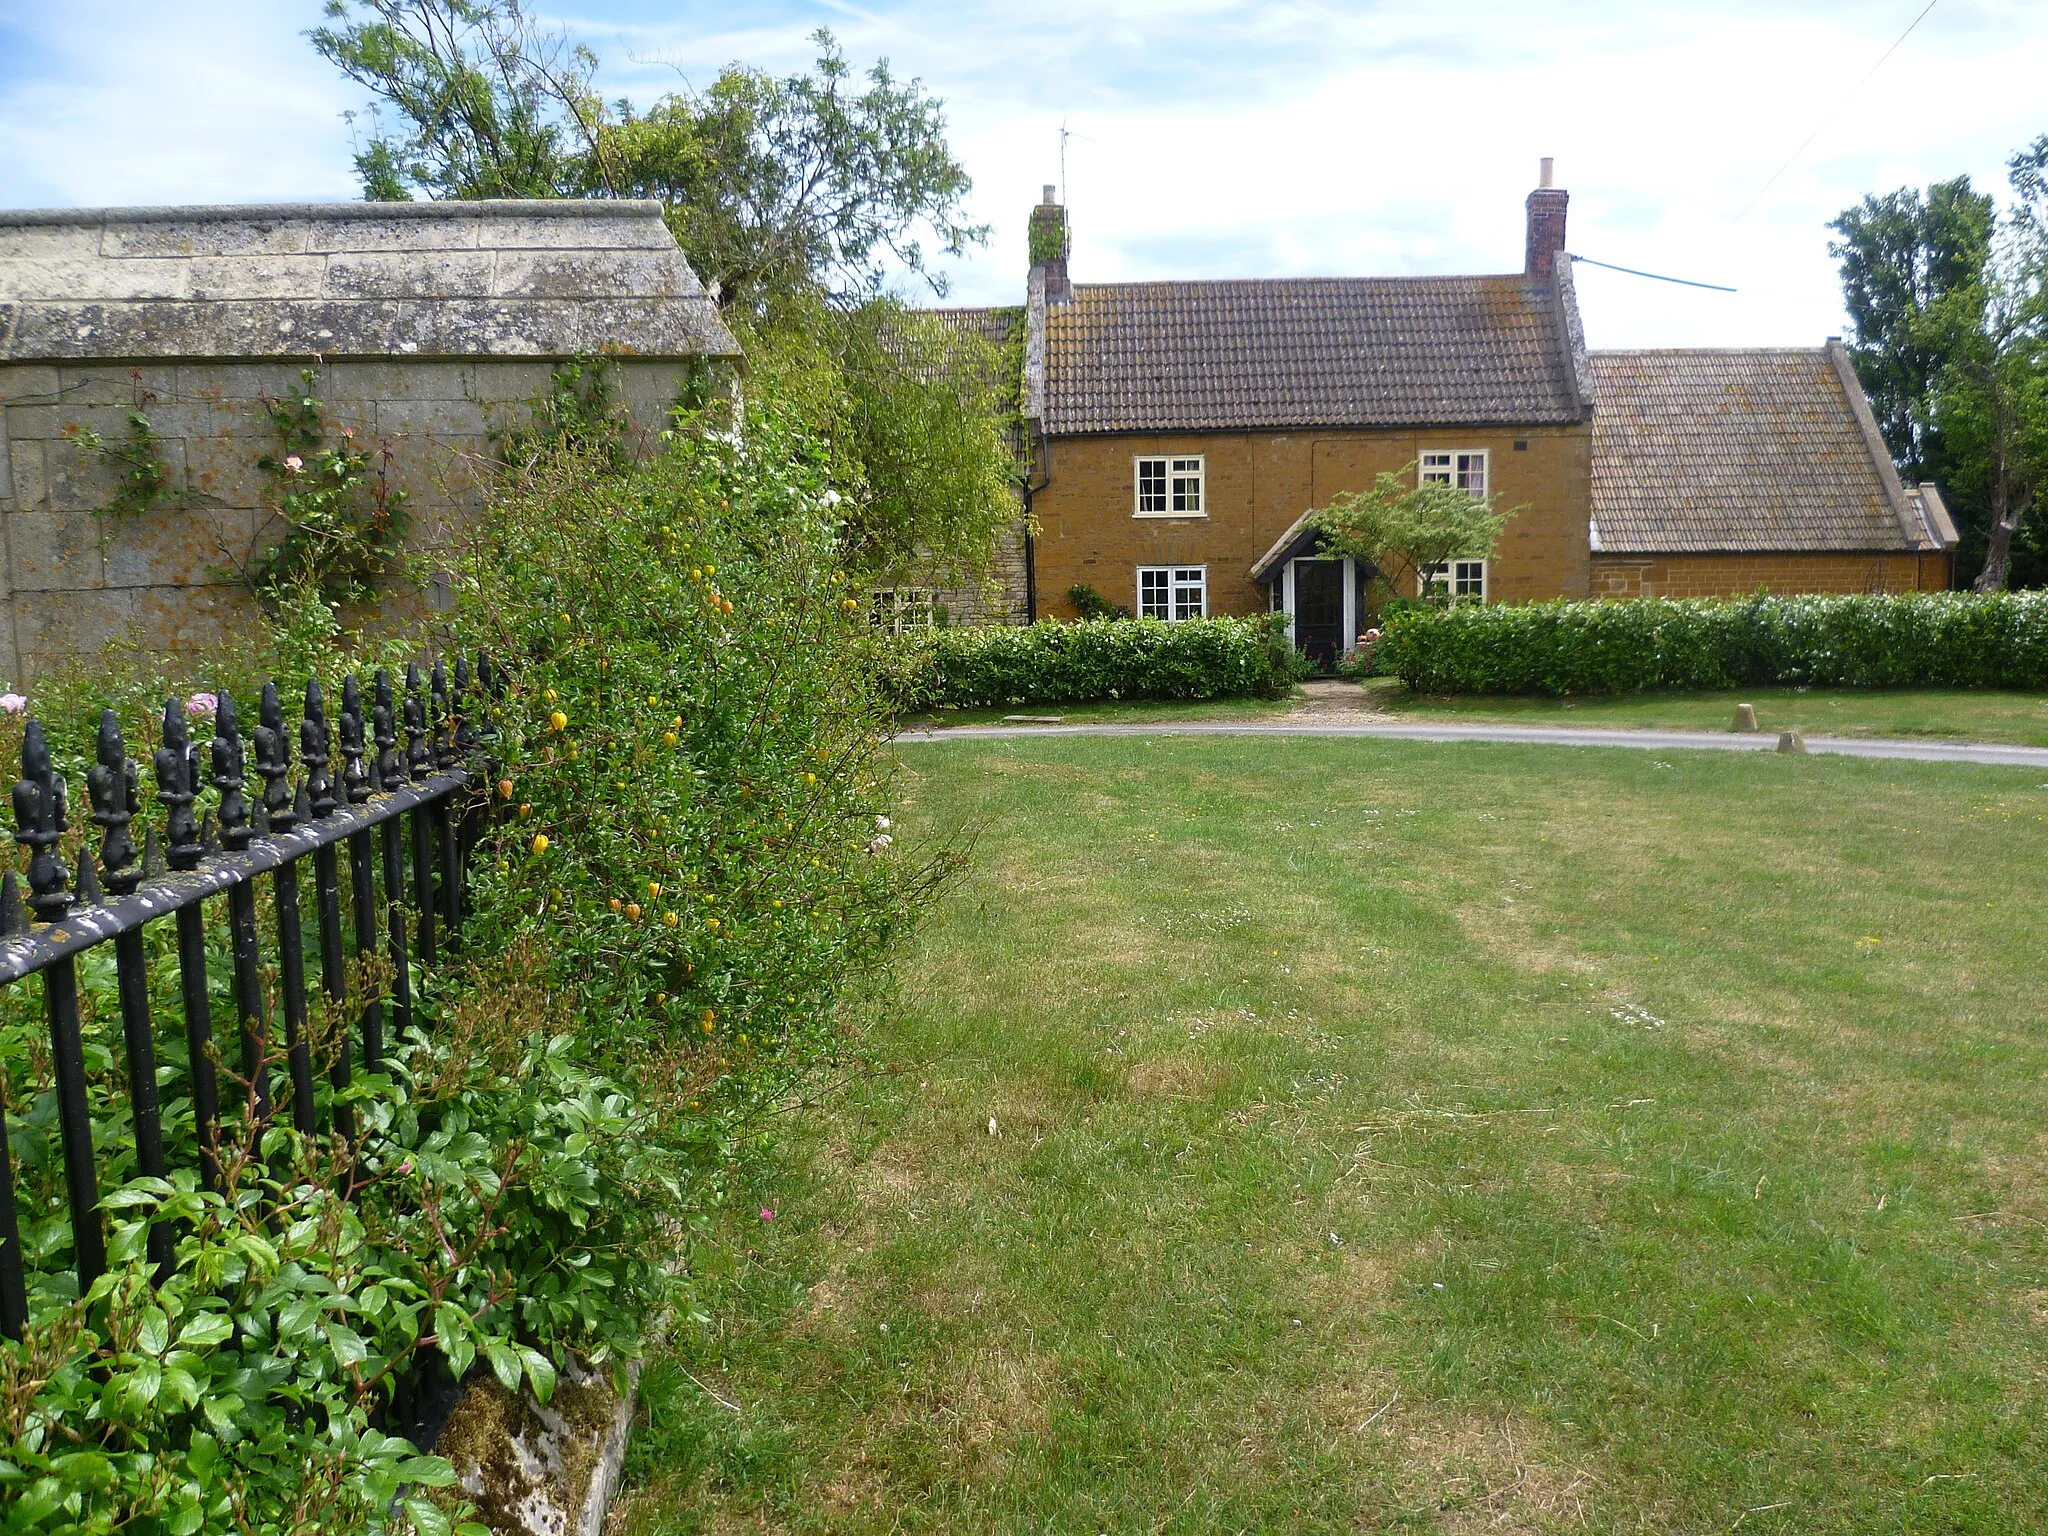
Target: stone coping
x,y
499,207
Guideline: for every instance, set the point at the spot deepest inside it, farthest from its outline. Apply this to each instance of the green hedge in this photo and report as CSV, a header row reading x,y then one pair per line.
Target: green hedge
x,y
1925,639
1054,663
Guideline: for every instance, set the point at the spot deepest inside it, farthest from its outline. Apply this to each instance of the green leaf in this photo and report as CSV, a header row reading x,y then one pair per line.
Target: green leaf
x,y
505,1364
347,1344
429,1519
155,1335
540,1371
205,1328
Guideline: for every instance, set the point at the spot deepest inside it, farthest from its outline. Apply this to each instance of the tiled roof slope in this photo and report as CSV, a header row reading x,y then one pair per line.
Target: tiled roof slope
x,y
1307,352
1751,449
454,279
991,325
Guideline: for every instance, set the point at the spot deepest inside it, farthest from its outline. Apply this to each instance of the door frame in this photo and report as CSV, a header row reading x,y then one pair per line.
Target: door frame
x,y
1349,638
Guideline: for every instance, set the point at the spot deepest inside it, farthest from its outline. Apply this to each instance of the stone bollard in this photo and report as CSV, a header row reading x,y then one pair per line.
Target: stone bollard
x,y
1745,717
1791,741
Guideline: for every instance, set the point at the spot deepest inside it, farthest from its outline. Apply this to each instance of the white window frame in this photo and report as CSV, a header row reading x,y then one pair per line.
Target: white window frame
x,y
902,610
1459,580
1471,469
1180,485
1167,601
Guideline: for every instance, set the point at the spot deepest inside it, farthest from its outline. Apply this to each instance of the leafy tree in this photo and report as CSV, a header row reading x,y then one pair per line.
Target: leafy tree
x,y
1406,531
1902,256
491,104
775,185
1991,406
791,196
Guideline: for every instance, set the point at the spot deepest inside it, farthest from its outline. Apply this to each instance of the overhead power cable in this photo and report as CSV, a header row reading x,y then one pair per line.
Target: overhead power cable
x,y
1684,282
1835,111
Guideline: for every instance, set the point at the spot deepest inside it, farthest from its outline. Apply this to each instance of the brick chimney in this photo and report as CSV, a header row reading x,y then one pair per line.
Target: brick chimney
x,y
1049,244
1546,226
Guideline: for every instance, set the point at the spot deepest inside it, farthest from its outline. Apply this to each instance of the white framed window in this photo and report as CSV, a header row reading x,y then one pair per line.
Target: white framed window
x,y
1173,592
1460,581
902,610
1463,467
1169,485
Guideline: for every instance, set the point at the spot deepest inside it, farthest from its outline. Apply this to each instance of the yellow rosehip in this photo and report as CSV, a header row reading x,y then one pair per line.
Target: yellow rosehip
x,y
540,842
776,903
710,1014
712,923
710,570
562,619
558,721
661,997
633,911
504,789
669,919
548,697
574,750
525,809
653,889
615,904
676,724
707,1026
668,738
851,606
743,1037
810,778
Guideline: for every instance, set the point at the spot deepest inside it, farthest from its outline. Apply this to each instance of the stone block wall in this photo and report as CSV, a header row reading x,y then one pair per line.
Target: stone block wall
x,y
78,579
1738,575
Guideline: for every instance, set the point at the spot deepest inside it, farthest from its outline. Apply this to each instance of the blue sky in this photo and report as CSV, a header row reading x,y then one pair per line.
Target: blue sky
x,y
1210,138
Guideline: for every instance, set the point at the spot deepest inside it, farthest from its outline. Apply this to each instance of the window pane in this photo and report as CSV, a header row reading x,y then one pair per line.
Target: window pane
x,y
1153,601
1188,590
1472,473
1436,467
1471,579
1151,485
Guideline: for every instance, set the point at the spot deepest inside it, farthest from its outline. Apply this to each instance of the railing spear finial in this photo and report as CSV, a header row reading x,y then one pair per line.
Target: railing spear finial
x,y
314,739
355,775
40,819
419,762
444,719
114,786
177,783
230,769
385,723
273,762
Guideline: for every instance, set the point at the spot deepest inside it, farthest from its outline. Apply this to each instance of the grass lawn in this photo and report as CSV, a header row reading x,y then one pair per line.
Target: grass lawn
x,y
1311,1135
1962,714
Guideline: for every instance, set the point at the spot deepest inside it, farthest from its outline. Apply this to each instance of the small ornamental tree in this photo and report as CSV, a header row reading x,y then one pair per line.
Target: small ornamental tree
x,y
1406,531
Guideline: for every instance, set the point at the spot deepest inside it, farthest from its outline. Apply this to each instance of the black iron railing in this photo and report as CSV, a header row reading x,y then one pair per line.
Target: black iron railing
x,y
437,780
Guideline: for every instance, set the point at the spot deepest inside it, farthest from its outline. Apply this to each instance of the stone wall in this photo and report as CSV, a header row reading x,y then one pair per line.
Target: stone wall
x,y
171,579
1738,575
1259,483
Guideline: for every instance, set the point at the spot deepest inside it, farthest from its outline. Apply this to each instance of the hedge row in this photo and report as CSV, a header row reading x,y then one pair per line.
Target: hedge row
x,y
1928,639
1054,663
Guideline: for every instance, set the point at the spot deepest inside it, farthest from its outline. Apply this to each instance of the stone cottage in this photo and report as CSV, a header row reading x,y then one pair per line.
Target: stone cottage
x,y
1182,431
429,328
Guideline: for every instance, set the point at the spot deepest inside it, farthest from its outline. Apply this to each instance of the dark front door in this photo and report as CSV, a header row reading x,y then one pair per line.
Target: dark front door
x,y
1319,609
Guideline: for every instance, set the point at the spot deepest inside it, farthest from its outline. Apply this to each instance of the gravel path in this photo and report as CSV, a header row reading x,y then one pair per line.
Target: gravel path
x,y
1522,735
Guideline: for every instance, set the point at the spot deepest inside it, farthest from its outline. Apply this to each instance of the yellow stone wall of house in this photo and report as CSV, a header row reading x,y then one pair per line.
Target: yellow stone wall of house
x,y
1734,575
1258,483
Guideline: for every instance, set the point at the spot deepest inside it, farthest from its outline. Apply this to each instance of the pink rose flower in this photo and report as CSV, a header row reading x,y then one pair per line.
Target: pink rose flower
x,y
202,704
13,703
294,463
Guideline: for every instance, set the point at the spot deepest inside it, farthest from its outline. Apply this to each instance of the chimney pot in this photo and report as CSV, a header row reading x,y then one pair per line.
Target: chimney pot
x,y
1548,164
1051,198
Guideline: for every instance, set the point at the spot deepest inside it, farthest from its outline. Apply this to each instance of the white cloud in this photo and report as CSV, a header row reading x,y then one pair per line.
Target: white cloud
x,y
1212,137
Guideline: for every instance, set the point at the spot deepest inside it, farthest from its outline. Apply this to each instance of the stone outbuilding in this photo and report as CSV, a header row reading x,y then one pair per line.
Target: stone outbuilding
x,y
429,330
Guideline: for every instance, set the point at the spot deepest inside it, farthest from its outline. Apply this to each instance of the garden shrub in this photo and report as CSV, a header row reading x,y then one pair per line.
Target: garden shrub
x,y
1932,639
1053,663
690,862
